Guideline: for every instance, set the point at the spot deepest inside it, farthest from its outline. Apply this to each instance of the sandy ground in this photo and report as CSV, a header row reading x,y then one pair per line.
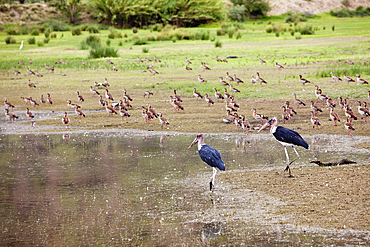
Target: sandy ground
x,y
330,198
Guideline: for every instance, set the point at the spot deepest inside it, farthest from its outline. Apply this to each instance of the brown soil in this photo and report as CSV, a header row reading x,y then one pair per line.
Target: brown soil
x,y
330,198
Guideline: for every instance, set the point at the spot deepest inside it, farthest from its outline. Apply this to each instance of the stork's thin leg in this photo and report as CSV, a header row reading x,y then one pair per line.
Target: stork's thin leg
x,y
212,183
295,158
287,157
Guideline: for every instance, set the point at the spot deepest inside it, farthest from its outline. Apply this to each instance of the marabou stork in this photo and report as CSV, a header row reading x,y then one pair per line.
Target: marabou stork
x,y
286,137
210,156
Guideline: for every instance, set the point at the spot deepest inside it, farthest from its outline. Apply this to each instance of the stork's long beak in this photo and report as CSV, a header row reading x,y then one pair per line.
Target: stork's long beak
x,y
265,126
195,141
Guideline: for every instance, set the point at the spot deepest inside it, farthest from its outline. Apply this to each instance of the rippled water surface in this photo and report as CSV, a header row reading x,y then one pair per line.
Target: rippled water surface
x,y
143,188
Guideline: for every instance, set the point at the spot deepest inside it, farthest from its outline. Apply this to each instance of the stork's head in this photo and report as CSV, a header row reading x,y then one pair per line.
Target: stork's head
x,y
199,139
271,123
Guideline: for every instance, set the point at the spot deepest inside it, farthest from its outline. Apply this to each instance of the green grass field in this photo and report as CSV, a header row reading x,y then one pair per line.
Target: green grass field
x,y
313,56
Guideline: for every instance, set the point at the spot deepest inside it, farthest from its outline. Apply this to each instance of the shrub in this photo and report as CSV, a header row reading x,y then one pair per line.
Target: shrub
x,y
10,40
111,36
12,30
35,32
304,29
231,32
269,29
42,28
76,31
47,33
53,35
98,51
333,28
277,34
92,39
108,42
55,25
31,41
145,50
174,39
218,44
83,45
134,30
238,35
237,13
157,27
119,35
139,41
213,38
125,35
120,43
298,36
220,32
40,43
92,29
46,40
296,18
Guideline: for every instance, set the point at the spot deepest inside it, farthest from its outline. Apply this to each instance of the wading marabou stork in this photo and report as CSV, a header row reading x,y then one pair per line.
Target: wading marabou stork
x,y
210,156
286,137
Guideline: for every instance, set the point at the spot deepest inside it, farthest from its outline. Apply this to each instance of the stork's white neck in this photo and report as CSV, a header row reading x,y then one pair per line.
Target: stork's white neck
x,y
273,129
200,143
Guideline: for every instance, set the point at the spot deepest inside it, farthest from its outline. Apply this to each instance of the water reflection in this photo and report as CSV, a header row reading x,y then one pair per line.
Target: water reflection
x,y
124,188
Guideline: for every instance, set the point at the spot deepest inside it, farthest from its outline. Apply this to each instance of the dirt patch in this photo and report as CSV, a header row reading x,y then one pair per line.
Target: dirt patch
x,y
330,198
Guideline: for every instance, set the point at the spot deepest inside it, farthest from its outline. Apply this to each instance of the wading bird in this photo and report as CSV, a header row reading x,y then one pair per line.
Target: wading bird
x,y
286,137
210,156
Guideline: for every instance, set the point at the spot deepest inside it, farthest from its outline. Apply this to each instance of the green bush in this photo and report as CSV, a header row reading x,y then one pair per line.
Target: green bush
x,y
269,29
92,29
53,35
46,40
119,35
157,27
76,31
333,28
220,32
11,30
145,50
304,29
98,51
10,40
140,41
360,12
55,25
120,43
31,41
42,28
238,35
277,34
92,39
47,33
111,36
40,43
134,30
298,36
218,44
83,45
237,13
296,18
125,35
108,42
35,32
231,32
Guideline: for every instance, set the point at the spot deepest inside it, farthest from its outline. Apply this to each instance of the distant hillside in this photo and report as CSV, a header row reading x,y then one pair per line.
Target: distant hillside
x,y
311,7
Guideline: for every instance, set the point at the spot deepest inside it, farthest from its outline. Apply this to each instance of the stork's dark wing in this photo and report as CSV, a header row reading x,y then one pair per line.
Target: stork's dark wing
x,y
289,136
212,157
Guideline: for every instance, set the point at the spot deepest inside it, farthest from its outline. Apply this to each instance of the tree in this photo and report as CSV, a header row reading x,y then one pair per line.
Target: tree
x,y
73,9
253,7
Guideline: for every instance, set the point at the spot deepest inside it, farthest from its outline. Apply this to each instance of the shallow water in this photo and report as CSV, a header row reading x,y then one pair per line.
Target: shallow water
x,y
147,188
